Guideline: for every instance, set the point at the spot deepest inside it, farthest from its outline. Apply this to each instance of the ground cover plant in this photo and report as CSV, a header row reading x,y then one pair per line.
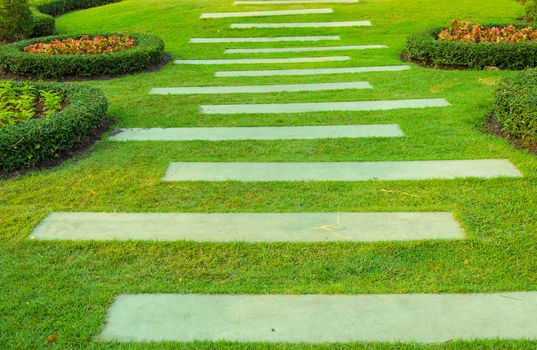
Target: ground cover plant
x,y
21,103
100,54
56,294
40,122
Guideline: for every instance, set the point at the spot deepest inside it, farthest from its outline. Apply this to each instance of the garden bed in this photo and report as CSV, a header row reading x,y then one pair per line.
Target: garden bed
x,y
425,48
50,133
147,51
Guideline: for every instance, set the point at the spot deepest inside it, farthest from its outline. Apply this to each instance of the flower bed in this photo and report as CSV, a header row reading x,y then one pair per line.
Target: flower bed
x,y
21,103
468,32
147,50
475,47
31,142
83,45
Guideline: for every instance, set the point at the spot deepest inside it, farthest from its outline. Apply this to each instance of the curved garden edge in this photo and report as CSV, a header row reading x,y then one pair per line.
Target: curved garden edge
x,y
423,48
148,52
47,141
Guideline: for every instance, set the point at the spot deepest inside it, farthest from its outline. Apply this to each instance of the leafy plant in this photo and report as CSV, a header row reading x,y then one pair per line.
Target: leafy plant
x,y
19,104
84,45
469,32
15,20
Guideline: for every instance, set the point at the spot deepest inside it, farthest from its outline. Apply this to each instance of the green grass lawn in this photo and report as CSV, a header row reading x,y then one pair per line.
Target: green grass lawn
x,y
65,288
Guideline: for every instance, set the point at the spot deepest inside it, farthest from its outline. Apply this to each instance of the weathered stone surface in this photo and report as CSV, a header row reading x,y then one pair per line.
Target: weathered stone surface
x,y
264,39
306,49
249,227
423,318
314,71
259,133
302,25
279,108
341,171
265,60
266,13
252,89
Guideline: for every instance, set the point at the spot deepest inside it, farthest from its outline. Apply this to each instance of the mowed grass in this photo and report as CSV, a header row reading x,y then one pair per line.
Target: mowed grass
x,y
65,288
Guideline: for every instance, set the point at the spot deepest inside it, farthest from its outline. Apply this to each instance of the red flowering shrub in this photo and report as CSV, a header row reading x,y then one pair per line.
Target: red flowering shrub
x,y
84,45
469,32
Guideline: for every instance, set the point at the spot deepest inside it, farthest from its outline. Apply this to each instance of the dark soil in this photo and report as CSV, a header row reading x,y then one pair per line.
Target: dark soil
x,y
78,151
492,126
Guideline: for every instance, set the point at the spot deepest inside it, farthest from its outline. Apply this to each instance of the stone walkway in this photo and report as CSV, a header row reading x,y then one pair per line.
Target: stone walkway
x,y
297,318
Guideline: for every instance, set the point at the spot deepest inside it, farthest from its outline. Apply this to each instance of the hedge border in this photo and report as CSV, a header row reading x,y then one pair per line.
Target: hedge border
x,y
149,51
43,14
33,142
422,47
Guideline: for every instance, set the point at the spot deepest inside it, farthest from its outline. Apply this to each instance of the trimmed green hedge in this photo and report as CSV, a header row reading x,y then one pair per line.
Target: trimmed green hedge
x,y
28,144
148,51
44,23
516,105
424,47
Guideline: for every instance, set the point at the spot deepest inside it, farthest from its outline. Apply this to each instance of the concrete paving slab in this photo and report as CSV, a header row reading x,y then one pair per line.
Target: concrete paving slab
x,y
249,227
302,25
267,13
265,60
422,318
259,133
280,108
314,71
252,89
265,39
306,49
289,2
340,171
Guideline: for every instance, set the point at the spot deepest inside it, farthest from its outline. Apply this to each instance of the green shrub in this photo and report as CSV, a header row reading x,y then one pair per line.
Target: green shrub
x,y
30,143
424,47
43,25
15,20
148,51
531,10
516,105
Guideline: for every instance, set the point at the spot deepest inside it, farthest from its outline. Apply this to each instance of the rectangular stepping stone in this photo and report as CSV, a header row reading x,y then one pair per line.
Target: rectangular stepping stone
x,y
249,227
307,49
302,25
314,71
265,60
323,106
265,39
288,2
250,89
267,13
259,133
421,318
340,171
